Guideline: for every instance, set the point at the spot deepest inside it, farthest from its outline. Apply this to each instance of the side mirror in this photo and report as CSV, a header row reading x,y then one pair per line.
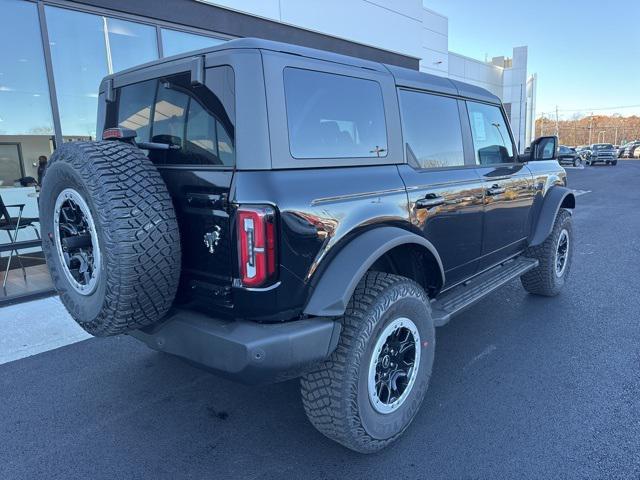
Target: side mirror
x,y
544,148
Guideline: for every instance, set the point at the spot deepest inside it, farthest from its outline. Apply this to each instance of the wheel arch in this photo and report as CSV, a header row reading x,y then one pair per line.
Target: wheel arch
x,y
388,249
556,198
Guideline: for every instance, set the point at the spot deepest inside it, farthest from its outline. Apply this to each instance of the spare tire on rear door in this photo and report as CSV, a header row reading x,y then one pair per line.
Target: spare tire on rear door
x,y
110,236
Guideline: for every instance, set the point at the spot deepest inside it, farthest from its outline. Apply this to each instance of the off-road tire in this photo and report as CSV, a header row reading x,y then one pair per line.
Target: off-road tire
x,y
333,395
137,234
543,280
614,162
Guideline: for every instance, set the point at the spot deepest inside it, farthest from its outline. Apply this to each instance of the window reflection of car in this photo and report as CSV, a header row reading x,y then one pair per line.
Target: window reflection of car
x,y
567,155
493,154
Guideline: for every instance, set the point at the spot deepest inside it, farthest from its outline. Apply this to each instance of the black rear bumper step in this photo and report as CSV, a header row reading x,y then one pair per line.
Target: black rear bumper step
x,y
245,351
466,294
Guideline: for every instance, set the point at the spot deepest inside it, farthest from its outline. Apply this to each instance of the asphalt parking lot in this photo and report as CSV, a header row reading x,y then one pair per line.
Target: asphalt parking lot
x,y
523,387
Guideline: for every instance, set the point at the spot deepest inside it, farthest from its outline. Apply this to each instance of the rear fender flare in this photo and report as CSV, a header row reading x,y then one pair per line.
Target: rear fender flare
x,y
556,198
338,282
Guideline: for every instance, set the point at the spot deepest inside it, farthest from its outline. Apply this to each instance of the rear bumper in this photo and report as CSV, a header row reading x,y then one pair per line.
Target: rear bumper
x,y
245,351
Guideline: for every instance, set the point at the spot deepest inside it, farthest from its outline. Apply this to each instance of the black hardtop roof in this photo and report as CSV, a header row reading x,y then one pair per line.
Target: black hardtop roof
x,y
404,77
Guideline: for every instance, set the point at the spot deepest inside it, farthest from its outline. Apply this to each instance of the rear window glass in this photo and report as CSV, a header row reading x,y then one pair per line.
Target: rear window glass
x,y
196,121
334,116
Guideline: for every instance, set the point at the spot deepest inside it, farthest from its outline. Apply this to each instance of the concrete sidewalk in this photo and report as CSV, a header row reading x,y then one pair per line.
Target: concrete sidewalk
x,y
34,327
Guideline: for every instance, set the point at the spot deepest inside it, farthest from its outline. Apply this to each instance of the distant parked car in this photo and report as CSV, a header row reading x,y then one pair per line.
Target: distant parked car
x,y
603,152
569,155
630,149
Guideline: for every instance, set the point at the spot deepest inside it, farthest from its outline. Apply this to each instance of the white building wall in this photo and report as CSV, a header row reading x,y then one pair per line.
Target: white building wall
x,y
408,28
482,74
435,43
362,21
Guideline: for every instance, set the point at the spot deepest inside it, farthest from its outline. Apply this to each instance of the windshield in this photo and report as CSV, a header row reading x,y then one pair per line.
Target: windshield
x,y
602,146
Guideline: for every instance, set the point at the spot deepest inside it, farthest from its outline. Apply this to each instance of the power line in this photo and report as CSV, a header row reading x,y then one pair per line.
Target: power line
x,y
619,107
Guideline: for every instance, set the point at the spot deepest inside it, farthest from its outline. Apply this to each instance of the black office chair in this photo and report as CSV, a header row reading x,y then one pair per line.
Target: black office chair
x,y
12,225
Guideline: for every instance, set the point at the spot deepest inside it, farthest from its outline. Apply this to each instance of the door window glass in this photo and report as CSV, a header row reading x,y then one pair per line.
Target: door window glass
x,y
334,116
431,129
491,138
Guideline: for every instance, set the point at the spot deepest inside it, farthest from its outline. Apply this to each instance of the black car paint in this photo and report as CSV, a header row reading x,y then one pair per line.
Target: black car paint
x,y
487,214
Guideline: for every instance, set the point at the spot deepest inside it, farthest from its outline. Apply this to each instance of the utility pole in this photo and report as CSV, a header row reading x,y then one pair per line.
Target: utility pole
x,y
616,139
557,124
590,127
542,125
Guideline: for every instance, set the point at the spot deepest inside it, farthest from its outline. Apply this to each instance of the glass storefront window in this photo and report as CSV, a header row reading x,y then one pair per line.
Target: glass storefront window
x,y
79,58
175,42
24,93
26,124
131,43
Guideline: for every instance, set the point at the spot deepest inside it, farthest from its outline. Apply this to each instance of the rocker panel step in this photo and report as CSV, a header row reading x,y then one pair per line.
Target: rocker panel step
x,y
466,294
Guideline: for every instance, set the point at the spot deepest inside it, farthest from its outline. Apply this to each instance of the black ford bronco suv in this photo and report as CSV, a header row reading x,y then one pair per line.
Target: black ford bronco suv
x,y
270,211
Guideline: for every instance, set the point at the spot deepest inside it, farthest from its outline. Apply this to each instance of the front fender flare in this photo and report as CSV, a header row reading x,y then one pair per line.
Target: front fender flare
x,y
338,282
556,198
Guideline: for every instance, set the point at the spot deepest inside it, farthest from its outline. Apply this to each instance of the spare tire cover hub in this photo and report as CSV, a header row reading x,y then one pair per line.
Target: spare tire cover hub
x,y
76,241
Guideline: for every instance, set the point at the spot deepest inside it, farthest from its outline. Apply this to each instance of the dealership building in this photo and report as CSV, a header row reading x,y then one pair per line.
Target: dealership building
x,y
53,54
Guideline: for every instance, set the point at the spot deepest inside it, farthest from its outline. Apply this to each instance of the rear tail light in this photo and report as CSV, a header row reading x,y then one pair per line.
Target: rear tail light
x,y
256,245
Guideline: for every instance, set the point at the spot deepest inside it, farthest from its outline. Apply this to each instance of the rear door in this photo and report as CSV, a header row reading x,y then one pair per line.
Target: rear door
x,y
444,190
508,184
198,125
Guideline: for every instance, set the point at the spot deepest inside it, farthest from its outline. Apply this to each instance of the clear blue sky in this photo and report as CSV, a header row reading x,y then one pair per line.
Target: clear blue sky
x,y
578,68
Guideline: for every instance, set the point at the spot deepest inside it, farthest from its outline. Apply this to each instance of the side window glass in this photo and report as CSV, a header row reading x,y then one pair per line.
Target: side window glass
x,y
491,138
169,120
334,116
197,123
134,111
431,129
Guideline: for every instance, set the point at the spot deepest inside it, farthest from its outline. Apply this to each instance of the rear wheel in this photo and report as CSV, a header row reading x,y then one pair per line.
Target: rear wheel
x,y
110,236
554,256
368,392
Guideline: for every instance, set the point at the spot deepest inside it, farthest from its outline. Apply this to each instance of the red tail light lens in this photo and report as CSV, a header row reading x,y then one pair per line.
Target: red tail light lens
x,y
256,245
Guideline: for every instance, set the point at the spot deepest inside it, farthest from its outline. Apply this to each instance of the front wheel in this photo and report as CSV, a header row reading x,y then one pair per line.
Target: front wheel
x,y
370,389
554,256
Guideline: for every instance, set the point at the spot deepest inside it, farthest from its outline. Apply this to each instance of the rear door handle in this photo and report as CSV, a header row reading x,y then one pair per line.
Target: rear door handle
x,y
429,201
496,190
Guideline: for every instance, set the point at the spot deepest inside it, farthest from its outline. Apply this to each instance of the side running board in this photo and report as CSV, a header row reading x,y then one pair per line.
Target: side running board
x,y
466,294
